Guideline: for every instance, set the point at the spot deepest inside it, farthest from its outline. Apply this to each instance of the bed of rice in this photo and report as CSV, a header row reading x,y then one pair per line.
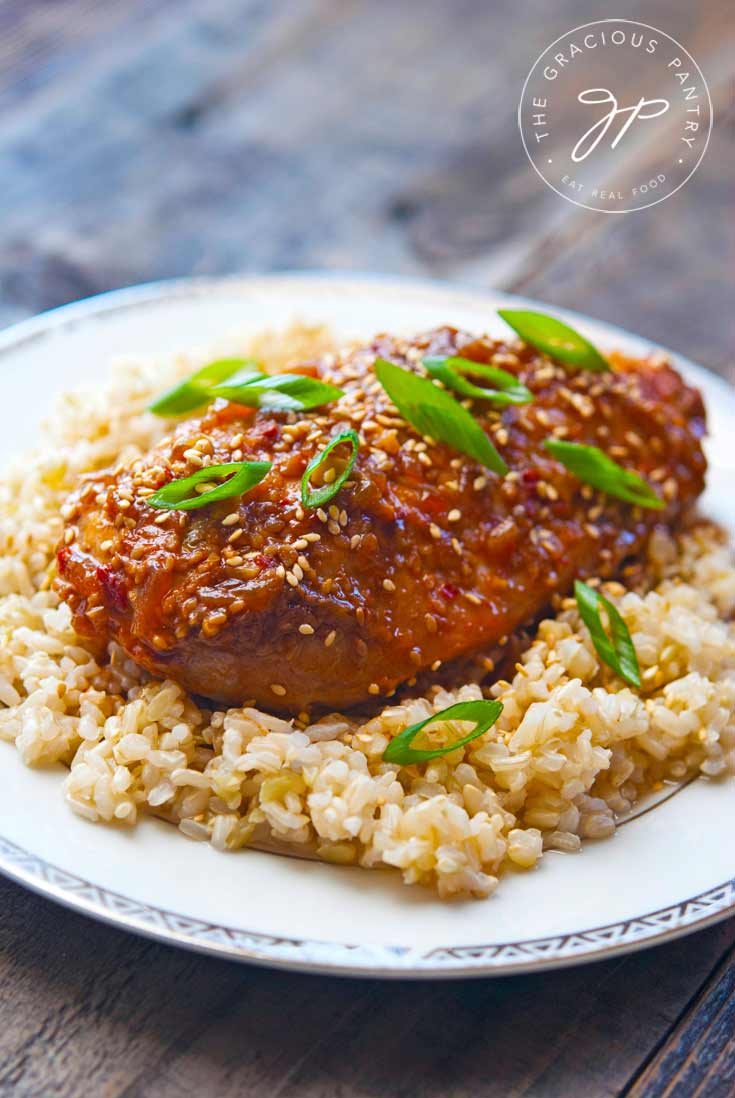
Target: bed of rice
x,y
574,748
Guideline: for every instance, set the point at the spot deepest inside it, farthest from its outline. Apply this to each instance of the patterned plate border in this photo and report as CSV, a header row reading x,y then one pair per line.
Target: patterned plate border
x,y
361,960
399,962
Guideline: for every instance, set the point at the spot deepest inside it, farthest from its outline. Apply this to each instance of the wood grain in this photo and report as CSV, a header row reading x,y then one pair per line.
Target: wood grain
x,y
166,137
135,1019
698,1058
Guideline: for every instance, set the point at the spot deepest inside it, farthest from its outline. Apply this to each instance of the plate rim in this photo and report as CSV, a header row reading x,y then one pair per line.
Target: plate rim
x,y
308,955
396,962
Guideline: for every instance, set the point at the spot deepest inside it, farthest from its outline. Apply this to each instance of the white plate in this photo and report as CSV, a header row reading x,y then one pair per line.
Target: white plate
x,y
666,872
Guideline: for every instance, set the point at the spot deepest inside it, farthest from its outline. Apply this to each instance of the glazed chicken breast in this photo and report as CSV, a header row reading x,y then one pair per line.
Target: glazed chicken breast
x,y
422,558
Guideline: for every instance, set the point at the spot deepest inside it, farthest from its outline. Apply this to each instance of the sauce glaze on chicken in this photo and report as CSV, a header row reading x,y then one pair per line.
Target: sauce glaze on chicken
x,y
422,557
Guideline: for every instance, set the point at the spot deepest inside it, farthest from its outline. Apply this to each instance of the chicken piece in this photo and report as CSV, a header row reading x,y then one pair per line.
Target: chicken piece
x,y
422,556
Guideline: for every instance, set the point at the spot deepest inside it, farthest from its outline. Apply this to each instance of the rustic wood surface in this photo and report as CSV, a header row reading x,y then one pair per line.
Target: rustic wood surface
x,y
155,138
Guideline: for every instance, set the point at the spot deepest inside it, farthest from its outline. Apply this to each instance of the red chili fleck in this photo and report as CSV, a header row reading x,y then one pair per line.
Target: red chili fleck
x,y
262,560
434,505
307,369
114,587
448,591
226,411
270,431
530,476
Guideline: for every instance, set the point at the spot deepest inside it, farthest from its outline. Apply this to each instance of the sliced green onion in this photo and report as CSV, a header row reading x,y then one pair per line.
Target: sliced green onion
x,y
617,650
180,495
433,412
321,495
279,392
484,713
194,391
555,338
452,370
594,467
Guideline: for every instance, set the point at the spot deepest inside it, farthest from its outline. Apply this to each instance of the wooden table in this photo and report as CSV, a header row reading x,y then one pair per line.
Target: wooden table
x,y
143,140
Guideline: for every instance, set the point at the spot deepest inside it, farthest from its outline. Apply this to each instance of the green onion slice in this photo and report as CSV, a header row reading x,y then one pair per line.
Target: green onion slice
x,y
321,495
617,650
278,392
555,338
453,370
484,713
594,467
434,412
180,495
194,391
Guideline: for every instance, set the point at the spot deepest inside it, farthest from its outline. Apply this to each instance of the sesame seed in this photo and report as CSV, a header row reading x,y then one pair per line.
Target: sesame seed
x,y
302,543
278,689
291,579
230,520
436,665
454,515
389,585
306,630
213,623
234,536
330,639
430,623
479,483
106,545
435,531
355,541
373,688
